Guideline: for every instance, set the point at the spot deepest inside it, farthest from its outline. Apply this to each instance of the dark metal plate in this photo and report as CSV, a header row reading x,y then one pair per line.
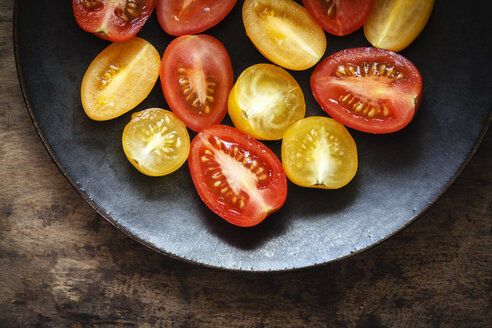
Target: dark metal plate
x,y
400,175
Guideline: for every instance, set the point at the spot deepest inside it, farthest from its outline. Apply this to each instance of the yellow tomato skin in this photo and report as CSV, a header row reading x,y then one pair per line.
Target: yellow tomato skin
x,y
119,78
156,142
284,32
318,152
265,101
394,24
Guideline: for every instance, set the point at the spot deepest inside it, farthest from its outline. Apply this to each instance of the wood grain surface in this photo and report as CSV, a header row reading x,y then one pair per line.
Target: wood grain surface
x,y
62,265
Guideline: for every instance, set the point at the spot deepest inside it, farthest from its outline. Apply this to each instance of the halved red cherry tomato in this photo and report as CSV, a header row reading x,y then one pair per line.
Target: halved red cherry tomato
x,y
236,176
368,89
181,17
339,17
196,78
114,20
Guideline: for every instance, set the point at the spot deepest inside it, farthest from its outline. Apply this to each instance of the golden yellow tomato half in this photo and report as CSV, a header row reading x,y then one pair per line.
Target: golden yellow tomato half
x,y
284,32
119,78
156,142
318,152
394,24
265,101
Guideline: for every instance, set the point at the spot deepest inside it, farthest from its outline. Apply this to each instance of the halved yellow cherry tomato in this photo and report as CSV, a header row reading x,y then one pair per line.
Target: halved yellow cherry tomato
x,y
265,101
284,32
119,78
156,142
394,24
318,152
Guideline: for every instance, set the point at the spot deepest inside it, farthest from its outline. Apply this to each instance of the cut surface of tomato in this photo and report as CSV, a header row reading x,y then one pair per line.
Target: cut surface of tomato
x,y
196,78
284,32
265,101
368,89
156,142
114,20
394,24
119,78
181,17
339,17
236,176
318,152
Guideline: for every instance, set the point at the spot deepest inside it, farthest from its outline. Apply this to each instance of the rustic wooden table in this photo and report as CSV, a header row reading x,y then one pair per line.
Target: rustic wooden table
x,y
62,265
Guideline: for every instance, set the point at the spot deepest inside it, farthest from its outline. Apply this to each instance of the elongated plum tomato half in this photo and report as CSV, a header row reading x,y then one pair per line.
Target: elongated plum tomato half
x,y
339,17
318,152
182,17
265,101
156,142
114,20
394,24
119,78
368,89
196,78
284,32
236,176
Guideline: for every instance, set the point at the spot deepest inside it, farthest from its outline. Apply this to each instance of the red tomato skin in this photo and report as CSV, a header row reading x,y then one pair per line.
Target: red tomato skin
x,y
350,15
202,15
211,56
117,30
276,190
402,108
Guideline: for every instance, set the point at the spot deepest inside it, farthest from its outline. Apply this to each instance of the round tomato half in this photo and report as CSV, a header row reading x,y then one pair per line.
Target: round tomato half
x,y
339,17
284,32
368,89
265,101
236,176
114,20
181,17
318,152
196,78
156,142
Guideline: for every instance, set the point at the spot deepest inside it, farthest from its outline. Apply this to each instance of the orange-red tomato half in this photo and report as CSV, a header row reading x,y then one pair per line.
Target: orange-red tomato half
x,y
368,89
114,20
196,78
181,17
339,17
236,176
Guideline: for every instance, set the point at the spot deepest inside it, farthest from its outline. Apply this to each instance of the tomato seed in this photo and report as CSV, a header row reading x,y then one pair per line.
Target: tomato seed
x,y
191,95
368,69
330,7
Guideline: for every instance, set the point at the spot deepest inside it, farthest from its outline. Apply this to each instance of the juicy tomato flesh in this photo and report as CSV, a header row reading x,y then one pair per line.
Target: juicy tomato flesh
x,y
318,152
339,17
156,142
284,32
236,176
196,78
394,24
114,20
181,17
119,78
368,89
265,101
